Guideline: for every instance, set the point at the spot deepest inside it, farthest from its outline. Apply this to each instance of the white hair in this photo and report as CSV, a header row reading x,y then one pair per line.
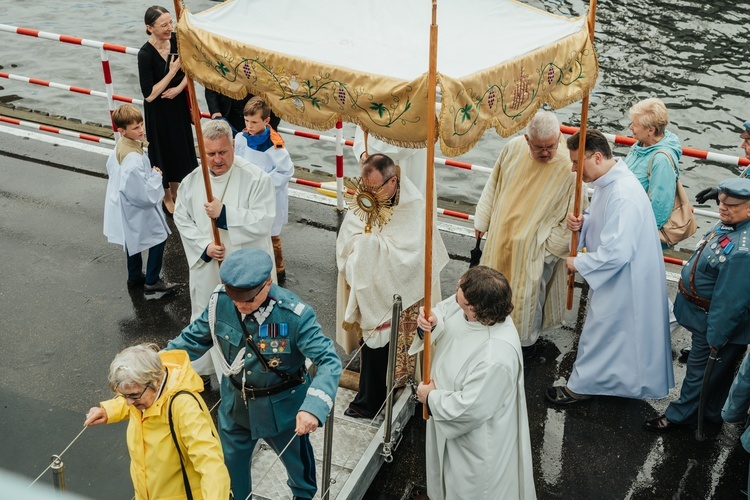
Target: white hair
x,y
544,125
216,129
139,364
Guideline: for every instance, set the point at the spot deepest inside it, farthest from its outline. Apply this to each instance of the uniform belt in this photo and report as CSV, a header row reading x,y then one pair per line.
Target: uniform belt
x,y
253,393
704,304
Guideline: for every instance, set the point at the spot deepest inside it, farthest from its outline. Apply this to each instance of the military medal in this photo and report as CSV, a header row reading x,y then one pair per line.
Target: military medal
x,y
283,343
722,258
713,245
262,345
274,362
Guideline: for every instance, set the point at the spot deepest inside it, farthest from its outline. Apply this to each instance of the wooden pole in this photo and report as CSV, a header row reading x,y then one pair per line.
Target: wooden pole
x,y
429,196
581,159
196,114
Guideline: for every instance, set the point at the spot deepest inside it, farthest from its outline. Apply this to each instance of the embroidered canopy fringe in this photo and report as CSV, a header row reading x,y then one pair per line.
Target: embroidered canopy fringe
x,y
314,66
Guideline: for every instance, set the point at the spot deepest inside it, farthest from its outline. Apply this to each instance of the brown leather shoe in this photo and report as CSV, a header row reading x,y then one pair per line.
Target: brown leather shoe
x,y
660,424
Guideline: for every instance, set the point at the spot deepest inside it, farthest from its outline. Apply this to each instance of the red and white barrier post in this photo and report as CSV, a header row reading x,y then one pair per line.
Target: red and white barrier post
x,y
107,72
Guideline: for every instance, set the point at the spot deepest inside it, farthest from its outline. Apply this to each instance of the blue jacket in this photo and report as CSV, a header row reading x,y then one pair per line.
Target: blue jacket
x,y
663,182
723,276
303,338
738,402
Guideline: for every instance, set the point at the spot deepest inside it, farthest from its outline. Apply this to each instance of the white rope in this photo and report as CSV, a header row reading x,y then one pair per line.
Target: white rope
x,y
58,456
272,465
239,361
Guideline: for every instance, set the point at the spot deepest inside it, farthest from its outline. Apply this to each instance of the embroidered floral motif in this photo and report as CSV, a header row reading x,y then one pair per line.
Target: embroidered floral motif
x,y
513,99
520,89
318,91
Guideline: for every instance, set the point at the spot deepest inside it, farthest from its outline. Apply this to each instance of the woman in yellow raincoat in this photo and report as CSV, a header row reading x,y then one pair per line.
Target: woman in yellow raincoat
x,y
150,386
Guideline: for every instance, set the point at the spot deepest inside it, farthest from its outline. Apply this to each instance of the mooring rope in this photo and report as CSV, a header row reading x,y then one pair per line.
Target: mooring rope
x,y
58,456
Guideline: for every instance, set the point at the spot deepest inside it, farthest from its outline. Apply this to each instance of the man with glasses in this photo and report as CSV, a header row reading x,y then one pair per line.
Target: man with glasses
x,y
714,304
374,264
262,334
624,349
522,209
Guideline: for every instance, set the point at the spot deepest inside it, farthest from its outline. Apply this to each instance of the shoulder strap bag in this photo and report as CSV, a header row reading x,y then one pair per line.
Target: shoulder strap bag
x,y
681,223
188,491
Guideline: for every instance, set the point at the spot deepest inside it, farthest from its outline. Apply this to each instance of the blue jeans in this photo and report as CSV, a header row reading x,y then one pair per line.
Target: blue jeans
x,y
153,264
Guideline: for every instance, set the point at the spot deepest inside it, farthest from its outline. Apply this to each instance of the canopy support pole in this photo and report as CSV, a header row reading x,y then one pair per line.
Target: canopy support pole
x,y
196,114
581,159
430,195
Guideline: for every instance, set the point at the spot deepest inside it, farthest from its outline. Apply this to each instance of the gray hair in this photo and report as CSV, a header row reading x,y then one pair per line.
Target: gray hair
x,y
139,364
544,125
216,129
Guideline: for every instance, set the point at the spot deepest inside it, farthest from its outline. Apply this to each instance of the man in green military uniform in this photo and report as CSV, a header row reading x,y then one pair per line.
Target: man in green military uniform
x,y
262,334
714,304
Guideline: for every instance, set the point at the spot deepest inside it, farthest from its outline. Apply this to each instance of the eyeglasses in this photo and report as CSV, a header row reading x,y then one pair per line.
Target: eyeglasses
x,y
575,162
133,397
539,149
386,181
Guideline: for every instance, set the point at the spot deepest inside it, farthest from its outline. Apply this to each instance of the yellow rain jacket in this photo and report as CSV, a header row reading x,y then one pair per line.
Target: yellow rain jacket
x,y
154,462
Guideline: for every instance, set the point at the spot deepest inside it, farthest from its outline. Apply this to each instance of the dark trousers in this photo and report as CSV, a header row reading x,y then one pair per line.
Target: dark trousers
x,y
372,388
238,449
685,409
153,264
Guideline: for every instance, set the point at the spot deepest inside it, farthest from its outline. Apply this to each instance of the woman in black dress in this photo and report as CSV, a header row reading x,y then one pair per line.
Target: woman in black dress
x,y
171,146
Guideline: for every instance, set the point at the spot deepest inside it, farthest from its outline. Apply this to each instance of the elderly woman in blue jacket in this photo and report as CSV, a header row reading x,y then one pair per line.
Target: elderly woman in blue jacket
x,y
654,158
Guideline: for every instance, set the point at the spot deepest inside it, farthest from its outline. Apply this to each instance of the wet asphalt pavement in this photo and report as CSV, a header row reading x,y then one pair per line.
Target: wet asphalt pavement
x,y
65,312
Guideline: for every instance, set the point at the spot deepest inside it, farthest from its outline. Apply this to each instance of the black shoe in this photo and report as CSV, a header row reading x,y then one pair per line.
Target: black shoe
x,y
159,286
559,395
660,424
684,353
281,277
137,283
351,412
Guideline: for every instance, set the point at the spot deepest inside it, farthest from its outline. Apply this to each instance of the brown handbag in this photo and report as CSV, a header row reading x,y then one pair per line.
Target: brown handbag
x,y
681,223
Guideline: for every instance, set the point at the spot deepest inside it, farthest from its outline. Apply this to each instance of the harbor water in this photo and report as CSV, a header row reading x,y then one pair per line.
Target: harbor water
x,y
690,53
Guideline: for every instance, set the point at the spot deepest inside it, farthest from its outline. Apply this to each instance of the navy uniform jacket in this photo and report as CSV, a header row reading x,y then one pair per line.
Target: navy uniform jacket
x,y
723,276
269,415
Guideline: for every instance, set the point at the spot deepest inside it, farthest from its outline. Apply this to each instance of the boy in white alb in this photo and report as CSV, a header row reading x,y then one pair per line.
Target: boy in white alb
x,y
132,212
263,146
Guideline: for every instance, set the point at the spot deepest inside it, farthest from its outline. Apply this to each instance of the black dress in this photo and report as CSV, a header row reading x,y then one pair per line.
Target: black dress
x,y
170,137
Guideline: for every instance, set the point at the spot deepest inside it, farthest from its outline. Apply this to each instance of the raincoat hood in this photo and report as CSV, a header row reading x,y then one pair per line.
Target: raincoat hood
x,y
180,377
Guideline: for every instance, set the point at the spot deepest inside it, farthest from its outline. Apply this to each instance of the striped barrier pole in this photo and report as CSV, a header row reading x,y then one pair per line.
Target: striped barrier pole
x,y
312,135
692,152
55,130
68,39
70,88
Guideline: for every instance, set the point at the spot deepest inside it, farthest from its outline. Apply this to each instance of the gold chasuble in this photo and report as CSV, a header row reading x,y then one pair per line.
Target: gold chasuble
x,y
523,208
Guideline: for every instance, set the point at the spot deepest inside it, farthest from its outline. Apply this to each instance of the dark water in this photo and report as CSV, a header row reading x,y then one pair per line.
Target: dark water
x,y
692,54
